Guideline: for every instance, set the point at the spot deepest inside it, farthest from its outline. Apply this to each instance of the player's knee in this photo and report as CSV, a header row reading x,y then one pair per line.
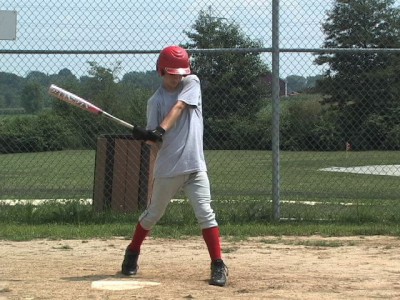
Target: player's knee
x,y
207,221
149,219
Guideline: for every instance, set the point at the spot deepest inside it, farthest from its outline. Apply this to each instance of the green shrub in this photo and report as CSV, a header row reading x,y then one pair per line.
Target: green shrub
x,y
237,133
31,133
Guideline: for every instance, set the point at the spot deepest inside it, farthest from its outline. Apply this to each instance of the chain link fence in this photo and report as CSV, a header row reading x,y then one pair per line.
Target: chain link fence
x,y
331,104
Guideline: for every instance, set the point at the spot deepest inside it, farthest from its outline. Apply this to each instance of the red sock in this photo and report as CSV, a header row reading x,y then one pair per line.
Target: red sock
x,y
212,239
138,238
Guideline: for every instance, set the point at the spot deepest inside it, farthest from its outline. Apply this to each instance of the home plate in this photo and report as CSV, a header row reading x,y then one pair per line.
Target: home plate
x,y
119,285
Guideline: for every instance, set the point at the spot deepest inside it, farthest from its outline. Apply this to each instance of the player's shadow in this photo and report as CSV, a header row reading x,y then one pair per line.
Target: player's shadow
x,y
94,277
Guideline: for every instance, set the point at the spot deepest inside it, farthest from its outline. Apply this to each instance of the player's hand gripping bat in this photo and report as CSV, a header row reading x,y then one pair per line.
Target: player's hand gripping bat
x,y
85,105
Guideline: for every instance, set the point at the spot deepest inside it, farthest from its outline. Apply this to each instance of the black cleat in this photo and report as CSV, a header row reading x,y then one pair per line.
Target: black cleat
x,y
129,265
219,273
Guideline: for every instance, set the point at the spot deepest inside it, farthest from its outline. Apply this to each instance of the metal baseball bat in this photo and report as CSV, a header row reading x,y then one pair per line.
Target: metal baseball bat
x,y
75,100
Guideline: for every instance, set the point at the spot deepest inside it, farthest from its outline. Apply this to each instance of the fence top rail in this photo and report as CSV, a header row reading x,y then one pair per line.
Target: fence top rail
x,y
215,50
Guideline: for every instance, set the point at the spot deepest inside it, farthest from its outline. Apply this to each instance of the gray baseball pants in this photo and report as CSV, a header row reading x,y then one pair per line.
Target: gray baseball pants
x,y
196,187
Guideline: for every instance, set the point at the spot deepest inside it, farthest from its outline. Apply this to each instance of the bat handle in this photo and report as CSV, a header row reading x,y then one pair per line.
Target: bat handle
x,y
122,122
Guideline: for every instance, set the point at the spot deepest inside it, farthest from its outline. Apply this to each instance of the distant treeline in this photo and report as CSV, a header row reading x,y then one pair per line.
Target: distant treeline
x,y
14,89
306,121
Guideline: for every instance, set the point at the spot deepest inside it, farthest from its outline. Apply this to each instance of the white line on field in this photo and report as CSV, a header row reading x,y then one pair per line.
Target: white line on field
x,y
388,170
42,201
90,201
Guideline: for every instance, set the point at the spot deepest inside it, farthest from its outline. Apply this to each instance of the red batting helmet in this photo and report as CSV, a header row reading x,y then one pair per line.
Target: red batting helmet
x,y
173,60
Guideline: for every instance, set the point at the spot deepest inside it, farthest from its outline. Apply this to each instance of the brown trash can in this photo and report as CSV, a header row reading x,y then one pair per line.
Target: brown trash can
x,y
123,173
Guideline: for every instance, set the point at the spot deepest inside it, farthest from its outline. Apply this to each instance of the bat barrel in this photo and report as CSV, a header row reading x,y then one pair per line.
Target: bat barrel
x,y
75,100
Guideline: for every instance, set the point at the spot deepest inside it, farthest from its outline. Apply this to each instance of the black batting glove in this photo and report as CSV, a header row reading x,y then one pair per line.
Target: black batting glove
x,y
140,133
156,134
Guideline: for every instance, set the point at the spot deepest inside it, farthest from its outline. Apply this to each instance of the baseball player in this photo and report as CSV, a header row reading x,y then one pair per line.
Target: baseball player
x,y
175,123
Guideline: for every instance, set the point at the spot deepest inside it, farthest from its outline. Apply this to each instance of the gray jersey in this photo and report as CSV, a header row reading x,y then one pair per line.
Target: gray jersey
x,y
181,151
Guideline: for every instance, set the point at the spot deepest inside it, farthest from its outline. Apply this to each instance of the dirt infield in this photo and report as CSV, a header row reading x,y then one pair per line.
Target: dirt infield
x,y
261,268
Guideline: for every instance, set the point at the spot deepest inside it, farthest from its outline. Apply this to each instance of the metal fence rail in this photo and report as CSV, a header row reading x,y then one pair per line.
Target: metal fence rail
x,y
301,113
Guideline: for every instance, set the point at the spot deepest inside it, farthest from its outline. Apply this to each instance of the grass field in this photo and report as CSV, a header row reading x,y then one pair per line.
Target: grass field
x,y
240,177
249,173
47,175
312,201
233,175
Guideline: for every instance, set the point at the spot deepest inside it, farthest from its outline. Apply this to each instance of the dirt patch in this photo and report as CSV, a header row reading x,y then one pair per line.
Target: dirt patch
x,y
260,268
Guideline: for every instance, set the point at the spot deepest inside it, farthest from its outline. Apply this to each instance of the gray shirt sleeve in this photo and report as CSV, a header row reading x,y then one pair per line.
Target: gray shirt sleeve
x,y
190,93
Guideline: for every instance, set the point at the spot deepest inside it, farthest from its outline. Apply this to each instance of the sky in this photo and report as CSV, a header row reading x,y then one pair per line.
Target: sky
x,y
150,25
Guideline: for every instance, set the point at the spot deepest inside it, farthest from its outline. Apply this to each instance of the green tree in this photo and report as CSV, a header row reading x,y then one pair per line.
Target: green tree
x,y
312,81
232,82
31,98
39,77
135,89
359,84
296,83
11,86
134,100
149,80
66,80
101,86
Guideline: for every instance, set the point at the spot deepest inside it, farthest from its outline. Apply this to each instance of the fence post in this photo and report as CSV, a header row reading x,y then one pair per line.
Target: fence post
x,y
275,112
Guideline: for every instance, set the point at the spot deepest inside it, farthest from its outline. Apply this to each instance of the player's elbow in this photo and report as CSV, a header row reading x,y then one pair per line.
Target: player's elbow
x,y
180,105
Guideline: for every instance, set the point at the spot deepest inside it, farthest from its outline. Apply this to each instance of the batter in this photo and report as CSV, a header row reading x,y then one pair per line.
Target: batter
x,y
175,122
